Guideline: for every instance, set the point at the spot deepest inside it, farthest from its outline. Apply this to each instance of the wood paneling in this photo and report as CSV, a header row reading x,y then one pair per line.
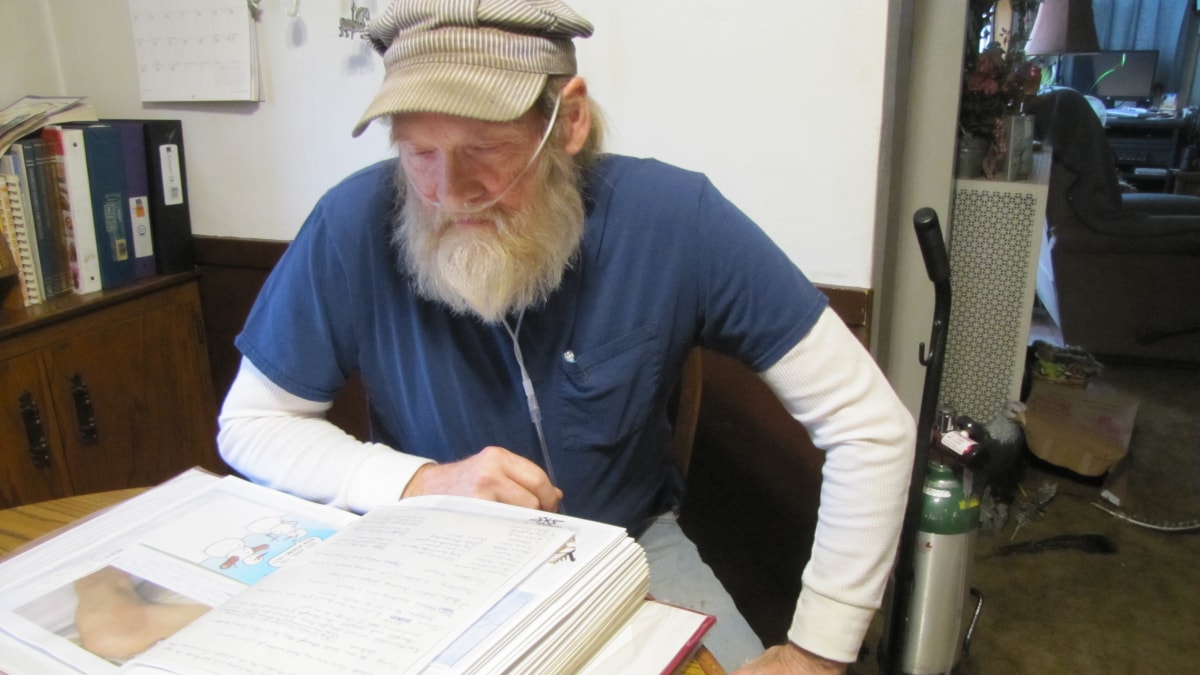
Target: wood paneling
x,y
232,273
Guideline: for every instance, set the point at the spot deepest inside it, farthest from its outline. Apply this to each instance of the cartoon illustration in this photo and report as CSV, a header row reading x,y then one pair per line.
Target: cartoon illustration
x,y
235,551
276,528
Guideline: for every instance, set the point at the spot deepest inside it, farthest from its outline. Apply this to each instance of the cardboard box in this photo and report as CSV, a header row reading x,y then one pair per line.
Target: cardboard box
x,y
1085,430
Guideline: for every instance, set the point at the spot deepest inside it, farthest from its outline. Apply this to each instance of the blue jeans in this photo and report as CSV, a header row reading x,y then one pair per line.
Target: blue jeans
x,y
679,577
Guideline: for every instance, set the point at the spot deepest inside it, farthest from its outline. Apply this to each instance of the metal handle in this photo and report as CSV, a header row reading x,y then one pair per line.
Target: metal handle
x,y
39,448
88,433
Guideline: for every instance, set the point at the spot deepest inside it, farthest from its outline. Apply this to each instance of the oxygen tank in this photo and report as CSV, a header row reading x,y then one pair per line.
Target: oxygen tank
x,y
941,574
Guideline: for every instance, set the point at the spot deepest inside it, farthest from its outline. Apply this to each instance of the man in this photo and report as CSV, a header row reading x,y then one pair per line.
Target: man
x,y
519,306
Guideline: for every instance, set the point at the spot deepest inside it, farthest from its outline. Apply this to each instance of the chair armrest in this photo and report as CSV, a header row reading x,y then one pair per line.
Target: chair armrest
x,y
1159,204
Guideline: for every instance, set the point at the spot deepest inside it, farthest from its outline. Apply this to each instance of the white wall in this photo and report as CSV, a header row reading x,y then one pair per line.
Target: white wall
x,y
778,102
781,103
29,66
254,169
923,176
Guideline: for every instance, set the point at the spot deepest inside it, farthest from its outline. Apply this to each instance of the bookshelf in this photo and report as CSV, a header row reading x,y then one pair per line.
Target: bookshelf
x,y
105,391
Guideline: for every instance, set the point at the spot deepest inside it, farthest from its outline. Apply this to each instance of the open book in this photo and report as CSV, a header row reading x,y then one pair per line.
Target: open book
x,y
207,574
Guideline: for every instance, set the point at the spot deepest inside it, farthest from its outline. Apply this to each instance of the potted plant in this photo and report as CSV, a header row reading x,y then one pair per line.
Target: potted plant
x,y
997,83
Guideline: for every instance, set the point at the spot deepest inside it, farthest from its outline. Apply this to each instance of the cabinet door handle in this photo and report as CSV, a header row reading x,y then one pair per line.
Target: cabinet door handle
x,y
39,448
88,433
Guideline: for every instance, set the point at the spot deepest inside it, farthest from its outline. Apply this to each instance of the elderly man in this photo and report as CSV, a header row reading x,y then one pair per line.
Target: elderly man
x,y
519,306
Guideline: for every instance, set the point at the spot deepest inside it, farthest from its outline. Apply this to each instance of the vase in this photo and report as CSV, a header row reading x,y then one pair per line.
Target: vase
x,y
971,149
1018,163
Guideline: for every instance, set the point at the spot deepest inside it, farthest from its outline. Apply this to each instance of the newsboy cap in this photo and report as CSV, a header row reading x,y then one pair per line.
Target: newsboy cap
x,y
483,59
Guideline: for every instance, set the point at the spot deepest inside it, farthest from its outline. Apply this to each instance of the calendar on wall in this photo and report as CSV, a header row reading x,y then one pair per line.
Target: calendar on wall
x,y
195,50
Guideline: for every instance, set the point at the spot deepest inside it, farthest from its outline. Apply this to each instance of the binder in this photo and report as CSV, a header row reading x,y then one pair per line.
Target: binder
x,y
109,204
137,195
170,218
75,206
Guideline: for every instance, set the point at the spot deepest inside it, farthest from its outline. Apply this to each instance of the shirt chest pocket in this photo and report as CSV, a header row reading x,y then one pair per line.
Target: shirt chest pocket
x,y
607,392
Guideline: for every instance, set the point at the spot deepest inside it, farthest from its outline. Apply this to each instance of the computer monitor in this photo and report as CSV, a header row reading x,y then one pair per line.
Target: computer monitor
x,y
1113,76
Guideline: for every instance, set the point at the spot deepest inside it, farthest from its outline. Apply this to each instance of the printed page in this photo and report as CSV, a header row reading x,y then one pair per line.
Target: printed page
x,y
593,555
386,594
570,628
110,588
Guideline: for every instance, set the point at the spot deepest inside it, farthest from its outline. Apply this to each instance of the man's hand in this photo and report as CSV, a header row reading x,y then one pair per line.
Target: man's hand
x,y
791,660
492,473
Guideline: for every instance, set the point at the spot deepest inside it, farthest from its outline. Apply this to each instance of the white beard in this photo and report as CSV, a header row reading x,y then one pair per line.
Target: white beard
x,y
495,270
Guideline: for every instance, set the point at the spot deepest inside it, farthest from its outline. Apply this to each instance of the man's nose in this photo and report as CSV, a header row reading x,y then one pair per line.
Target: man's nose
x,y
458,183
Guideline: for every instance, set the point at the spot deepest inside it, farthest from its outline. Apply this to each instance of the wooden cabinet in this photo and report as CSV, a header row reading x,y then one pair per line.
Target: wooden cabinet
x,y
105,391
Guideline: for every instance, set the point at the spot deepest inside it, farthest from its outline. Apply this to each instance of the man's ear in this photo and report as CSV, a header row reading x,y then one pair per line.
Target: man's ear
x,y
575,114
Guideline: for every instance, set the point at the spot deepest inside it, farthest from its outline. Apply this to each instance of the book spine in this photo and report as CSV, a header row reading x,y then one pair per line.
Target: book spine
x,y
26,239
75,204
109,204
52,264
170,219
9,265
137,193
18,242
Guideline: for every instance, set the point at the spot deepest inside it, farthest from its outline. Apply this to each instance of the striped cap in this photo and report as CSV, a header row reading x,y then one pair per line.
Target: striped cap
x,y
483,59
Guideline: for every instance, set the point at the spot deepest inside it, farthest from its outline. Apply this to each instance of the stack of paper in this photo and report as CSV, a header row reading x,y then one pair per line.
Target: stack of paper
x,y
282,585
31,113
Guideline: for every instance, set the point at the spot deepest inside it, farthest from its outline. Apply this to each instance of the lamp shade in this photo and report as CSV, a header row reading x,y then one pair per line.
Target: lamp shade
x,y
1063,27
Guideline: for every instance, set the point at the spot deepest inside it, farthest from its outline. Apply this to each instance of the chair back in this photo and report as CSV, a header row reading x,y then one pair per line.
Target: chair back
x,y
1084,169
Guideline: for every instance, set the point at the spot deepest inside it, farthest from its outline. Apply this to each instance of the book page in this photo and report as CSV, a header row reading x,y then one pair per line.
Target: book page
x,y
595,558
386,594
163,558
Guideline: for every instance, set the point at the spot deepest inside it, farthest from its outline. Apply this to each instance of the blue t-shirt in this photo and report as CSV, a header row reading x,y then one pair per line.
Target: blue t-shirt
x,y
666,264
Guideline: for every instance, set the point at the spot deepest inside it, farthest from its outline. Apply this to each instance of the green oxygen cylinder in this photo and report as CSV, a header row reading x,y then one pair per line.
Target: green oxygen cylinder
x,y
941,574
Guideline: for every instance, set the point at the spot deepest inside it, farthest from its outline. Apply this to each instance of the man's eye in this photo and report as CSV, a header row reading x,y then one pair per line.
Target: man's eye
x,y
419,156
490,150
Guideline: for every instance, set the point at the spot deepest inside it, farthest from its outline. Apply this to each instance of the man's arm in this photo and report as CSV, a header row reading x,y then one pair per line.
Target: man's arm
x,y
830,384
283,441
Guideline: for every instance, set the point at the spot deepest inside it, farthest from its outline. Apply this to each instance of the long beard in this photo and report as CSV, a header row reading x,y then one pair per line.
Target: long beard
x,y
495,270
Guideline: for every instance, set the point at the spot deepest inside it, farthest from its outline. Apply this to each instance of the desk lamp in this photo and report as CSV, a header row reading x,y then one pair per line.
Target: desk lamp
x,y
1063,27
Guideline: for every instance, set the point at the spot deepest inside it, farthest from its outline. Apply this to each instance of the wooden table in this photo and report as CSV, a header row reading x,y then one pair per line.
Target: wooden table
x,y
21,525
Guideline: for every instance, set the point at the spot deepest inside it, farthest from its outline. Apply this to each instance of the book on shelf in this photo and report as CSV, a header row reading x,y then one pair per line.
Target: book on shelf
x,y
170,214
14,258
137,195
78,229
9,268
30,113
54,272
110,203
12,169
235,577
